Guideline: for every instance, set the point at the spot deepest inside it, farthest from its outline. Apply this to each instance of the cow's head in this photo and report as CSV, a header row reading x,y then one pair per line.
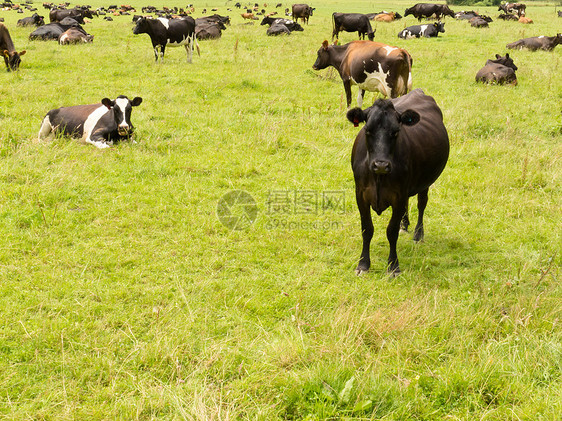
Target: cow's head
x,y
323,59
447,11
409,11
122,107
558,39
439,26
382,128
506,61
13,59
142,26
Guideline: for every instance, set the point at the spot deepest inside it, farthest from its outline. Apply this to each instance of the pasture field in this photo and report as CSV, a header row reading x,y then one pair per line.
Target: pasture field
x,y
122,296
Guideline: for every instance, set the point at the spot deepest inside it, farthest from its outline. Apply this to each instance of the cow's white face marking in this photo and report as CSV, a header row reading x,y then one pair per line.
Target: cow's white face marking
x,y
92,120
165,22
375,82
122,103
389,49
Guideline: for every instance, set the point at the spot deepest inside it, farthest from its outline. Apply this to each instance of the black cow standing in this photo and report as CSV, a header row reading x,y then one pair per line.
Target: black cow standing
x,y
352,22
11,57
426,10
400,152
172,32
99,124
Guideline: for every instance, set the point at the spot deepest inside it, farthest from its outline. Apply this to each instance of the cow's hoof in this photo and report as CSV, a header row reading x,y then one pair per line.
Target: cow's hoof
x,y
361,271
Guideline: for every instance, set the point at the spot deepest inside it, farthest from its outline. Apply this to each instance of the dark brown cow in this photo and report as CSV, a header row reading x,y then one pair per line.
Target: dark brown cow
x,y
303,11
372,66
426,10
57,15
500,71
536,43
399,153
11,56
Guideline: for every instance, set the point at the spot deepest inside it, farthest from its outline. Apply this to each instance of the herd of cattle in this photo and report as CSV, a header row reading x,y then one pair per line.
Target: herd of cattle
x,y
403,146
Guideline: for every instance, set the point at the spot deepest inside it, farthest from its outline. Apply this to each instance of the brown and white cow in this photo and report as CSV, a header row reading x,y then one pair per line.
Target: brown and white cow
x,y
11,56
399,153
99,124
74,36
512,7
536,43
372,66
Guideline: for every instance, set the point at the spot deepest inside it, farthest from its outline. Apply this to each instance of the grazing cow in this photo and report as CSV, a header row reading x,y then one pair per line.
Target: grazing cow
x,y
537,43
74,36
351,22
511,7
399,153
426,10
33,20
525,20
172,32
99,124
248,16
372,66
427,31
500,71
278,28
560,13
302,11
57,15
11,57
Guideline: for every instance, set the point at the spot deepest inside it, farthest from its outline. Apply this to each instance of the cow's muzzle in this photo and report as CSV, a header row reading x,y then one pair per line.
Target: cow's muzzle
x,y
124,130
381,167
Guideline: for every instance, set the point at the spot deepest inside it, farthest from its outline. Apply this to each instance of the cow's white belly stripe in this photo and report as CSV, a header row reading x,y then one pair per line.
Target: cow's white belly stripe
x,y
92,120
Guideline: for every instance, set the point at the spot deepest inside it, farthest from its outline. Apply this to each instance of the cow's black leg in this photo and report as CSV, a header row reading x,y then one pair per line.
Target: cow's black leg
x,y
422,203
366,232
392,231
162,48
405,220
347,87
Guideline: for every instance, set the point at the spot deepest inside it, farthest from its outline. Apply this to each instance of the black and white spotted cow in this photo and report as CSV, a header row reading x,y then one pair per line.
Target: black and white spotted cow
x,y
99,124
427,31
171,32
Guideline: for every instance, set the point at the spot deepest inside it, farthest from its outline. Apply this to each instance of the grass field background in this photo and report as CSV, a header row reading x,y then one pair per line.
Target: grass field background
x,y
122,296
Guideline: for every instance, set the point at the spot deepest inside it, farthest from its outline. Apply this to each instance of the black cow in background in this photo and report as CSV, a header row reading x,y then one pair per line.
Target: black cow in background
x,y
352,22
500,71
33,20
427,31
57,15
302,11
172,32
399,153
290,24
427,10
52,31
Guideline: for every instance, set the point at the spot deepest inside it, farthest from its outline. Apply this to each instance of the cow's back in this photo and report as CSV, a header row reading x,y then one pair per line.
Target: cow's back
x,y
71,120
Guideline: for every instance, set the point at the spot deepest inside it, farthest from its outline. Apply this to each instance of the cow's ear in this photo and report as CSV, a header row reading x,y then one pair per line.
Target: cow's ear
x,y
498,56
325,44
136,101
108,103
356,116
409,118
506,55
23,52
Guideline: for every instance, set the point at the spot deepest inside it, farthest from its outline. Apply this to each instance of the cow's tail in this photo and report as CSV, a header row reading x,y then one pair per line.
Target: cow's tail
x,y
333,25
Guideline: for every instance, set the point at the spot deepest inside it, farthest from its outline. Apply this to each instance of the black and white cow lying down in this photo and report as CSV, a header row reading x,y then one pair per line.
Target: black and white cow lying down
x,y
99,124
428,31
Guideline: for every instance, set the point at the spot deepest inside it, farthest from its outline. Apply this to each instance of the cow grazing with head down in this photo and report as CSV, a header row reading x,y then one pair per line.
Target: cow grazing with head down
x,y
426,10
302,11
171,32
399,153
11,57
536,43
372,66
352,22
500,71
99,124
427,31
512,7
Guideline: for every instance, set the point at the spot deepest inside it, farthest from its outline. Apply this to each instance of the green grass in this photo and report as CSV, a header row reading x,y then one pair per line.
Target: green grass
x,y
122,296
